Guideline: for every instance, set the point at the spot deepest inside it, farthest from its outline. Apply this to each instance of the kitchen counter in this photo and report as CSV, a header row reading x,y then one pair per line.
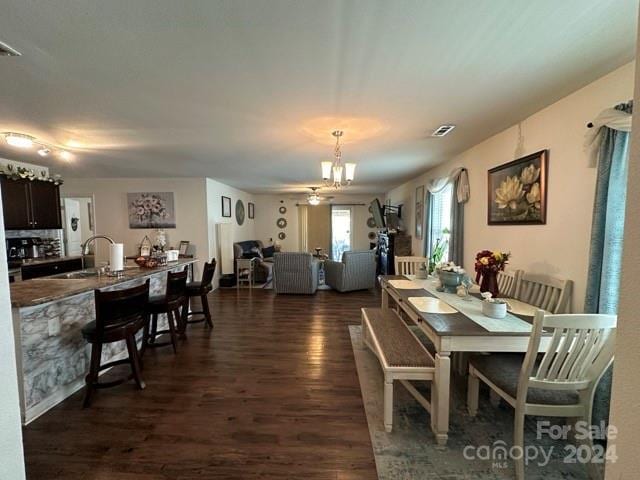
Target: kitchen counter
x,y
42,290
48,315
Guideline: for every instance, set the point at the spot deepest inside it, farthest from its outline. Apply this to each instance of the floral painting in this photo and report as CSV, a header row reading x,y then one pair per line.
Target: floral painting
x,y
151,210
518,191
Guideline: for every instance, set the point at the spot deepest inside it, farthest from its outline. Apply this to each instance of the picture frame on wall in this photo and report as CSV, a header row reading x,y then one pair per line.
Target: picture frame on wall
x,y
419,212
251,210
517,191
226,207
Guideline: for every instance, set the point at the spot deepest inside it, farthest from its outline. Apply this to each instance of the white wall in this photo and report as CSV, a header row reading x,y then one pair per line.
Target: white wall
x,y
560,247
111,212
625,400
247,231
11,453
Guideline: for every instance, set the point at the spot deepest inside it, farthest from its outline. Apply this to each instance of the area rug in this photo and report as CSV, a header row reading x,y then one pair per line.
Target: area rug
x,y
411,453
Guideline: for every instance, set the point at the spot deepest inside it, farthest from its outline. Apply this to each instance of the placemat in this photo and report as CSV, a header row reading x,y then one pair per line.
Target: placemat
x,y
431,305
405,284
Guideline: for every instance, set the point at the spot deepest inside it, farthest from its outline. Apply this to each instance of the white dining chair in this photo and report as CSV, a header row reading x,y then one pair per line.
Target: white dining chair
x,y
545,292
560,384
508,282
409,265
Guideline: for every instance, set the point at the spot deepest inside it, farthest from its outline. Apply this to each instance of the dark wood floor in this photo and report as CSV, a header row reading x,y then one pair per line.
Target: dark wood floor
x,y
271,392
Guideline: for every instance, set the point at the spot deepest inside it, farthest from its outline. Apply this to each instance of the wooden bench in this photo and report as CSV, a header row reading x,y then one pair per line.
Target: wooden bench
x,y
401,355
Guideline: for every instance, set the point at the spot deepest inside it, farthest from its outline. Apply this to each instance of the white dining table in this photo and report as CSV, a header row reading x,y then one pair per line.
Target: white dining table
x,y
461,328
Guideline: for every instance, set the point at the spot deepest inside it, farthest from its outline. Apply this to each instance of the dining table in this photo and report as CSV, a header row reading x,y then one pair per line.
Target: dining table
x,y
455,324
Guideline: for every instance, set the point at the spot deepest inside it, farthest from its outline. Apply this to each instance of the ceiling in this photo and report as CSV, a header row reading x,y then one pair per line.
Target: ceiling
x,y
231,89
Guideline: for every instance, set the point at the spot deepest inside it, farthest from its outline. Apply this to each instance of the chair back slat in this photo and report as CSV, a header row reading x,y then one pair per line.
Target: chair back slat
x,y
508,282
409,265
208,272
176,284
580,349
548,293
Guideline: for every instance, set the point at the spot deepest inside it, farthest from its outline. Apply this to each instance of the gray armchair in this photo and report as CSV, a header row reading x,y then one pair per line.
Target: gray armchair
x,y
356,271
295,273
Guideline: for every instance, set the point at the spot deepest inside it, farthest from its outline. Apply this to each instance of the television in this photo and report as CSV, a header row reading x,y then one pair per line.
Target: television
x,y
378,213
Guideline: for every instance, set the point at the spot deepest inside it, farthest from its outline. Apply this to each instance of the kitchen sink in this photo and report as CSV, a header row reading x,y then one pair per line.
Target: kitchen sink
x,y
78,274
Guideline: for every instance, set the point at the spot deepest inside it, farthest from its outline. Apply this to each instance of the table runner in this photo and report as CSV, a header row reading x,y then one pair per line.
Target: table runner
x,y
472,309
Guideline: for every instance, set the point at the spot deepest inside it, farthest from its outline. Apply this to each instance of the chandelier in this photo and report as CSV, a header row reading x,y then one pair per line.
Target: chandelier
x,y
336,167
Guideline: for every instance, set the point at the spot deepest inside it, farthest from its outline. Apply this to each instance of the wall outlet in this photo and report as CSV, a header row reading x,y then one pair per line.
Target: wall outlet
x,y
55,325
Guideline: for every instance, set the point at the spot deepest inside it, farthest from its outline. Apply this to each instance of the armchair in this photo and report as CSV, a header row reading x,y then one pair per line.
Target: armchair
x,y
295,273
356,271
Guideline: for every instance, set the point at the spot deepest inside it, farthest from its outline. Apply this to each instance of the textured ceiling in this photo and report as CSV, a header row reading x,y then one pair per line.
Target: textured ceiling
x,y
233,89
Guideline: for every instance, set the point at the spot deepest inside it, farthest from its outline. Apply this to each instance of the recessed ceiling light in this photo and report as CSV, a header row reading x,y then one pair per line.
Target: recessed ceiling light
x,y
66,156
19,140
442,130
43,152
7,51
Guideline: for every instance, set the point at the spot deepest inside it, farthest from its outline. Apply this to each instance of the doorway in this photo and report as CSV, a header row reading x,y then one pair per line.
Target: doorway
x,y
78,225
341,230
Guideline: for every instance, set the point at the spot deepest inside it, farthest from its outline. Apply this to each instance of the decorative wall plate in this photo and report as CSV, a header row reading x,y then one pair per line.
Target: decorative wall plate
x,y
371,223
239,212
282,236
281,222
282,210
372,235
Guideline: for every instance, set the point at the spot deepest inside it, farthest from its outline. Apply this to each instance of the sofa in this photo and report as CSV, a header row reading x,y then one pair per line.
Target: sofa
x,y
356,271
295,273
263,271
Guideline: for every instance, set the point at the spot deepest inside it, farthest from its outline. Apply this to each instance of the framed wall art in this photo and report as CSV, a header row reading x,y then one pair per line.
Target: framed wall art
x,y
517,191
226,207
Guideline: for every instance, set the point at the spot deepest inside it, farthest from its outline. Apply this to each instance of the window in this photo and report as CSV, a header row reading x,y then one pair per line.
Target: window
x,y
439,222
341,226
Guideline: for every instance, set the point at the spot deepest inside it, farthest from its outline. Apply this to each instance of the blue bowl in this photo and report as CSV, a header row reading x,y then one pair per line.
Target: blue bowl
x,y
450,281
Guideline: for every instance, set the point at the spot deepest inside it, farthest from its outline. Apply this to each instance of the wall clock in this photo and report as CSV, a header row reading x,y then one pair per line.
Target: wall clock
x,y
281,222
282,236
282,210
239,212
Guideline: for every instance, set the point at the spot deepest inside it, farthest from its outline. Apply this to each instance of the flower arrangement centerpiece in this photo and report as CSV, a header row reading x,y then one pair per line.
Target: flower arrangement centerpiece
x,y
450,276
487,266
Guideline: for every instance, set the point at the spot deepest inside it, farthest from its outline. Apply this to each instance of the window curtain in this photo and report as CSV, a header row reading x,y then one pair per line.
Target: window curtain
x,y
303,228
461,192
607,230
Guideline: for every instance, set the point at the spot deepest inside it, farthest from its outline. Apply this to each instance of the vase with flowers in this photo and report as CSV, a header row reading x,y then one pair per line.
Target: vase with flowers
x,y
487,266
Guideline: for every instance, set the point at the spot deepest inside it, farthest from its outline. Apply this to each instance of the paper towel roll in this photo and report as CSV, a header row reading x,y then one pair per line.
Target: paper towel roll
x,y
116,257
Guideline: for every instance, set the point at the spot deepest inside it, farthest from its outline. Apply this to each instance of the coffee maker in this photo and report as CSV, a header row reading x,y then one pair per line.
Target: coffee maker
x,y
21,249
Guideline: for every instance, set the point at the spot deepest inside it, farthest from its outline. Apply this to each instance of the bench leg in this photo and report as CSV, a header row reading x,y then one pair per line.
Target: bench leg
x,y
388,404
473,392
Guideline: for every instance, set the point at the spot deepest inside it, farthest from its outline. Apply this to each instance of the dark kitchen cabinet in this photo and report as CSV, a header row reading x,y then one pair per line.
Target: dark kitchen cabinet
x,y
50,268
30,205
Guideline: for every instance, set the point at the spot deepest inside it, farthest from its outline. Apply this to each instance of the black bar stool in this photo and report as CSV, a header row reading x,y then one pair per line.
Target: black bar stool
x,y
170,303
200,289
120,314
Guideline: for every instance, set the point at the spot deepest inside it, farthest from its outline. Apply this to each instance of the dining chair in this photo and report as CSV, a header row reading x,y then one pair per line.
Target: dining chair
x,y
560,383
548,293
508,282
409,265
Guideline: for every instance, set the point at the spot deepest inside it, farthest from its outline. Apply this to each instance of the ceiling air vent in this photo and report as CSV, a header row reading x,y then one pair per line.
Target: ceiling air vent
x,y
442,130
7,51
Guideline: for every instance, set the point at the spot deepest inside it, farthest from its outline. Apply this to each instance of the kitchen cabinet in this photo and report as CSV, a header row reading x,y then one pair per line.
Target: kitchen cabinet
x,y
50,268
30,205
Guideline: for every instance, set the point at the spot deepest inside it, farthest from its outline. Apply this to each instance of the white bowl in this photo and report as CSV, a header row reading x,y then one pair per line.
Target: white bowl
x,y
494,310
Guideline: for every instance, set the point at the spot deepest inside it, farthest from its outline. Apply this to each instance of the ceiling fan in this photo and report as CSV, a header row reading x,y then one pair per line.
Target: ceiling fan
x,y
314,197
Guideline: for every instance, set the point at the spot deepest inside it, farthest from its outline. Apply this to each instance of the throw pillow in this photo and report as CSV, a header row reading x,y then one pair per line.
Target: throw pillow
x,y
268,252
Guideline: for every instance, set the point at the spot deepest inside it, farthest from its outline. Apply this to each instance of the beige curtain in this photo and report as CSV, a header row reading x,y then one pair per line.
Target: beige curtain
x,y
303,228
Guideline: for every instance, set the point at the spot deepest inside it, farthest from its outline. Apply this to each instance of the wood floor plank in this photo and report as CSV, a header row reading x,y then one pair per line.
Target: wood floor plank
x,y
271,392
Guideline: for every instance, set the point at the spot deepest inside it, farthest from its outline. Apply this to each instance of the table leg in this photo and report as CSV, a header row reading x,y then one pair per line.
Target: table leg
x,y
440,398
385,299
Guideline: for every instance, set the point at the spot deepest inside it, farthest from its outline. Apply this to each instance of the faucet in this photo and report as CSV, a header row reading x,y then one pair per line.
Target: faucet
x,y
85,245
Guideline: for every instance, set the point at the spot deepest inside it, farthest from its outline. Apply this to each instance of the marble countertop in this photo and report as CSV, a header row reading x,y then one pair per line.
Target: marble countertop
x,y
36,291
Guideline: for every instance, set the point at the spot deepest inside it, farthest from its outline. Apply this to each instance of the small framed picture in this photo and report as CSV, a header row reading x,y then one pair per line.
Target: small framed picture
x,y
183,248
419,211
226,207
251,210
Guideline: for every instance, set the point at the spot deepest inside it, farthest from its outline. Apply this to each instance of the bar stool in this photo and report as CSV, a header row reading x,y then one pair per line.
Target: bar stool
x,y
120,314
170,303
200,289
